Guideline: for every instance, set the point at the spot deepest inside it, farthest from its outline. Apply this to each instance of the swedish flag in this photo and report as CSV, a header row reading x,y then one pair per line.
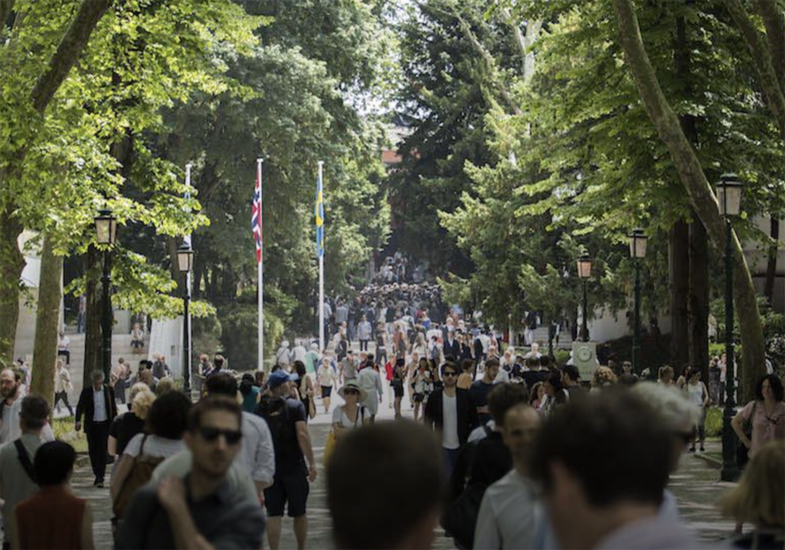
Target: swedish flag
x,y
319,211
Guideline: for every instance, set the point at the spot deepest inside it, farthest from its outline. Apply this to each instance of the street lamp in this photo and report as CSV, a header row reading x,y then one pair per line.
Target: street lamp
x,y
637,252
729,198
185,262
584,272
106,233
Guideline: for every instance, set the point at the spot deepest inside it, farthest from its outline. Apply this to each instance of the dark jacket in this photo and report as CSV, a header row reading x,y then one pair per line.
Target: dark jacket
x,y
467,413
453,349
87,406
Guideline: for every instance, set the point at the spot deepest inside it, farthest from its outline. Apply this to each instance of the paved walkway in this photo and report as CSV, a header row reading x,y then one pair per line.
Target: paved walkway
x,y
695,485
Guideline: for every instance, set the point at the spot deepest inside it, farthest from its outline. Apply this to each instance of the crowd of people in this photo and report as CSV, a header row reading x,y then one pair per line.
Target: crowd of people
x,y
504,448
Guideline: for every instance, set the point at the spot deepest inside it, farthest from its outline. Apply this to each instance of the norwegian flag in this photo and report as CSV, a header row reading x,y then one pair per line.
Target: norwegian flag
x,y
256,215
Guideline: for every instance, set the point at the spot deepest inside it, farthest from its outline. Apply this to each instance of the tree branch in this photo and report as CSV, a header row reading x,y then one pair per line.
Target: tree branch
x,y
775,33
68,51
763,61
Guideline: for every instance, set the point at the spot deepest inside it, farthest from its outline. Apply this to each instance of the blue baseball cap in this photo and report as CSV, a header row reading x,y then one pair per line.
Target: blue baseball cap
x,y
279,378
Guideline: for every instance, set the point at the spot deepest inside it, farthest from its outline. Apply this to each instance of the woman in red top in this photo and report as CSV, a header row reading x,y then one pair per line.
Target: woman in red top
x,y
54,517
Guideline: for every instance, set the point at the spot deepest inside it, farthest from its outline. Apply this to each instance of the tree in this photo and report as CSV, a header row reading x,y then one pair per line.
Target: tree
x,y
697,186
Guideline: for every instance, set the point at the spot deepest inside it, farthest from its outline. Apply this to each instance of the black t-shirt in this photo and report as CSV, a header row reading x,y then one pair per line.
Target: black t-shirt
x,y
479,392
124,428
282,416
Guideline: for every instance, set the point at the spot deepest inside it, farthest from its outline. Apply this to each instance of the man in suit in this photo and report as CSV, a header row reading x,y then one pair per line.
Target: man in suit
x,y
97,404
452,413
451,346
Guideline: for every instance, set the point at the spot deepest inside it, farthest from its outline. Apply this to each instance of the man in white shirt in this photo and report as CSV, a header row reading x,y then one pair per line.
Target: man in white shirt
x,y
509,510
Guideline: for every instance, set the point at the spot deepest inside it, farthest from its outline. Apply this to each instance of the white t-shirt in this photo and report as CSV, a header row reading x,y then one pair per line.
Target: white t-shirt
x,y
339,417
508,514
450,424
154,446
326,377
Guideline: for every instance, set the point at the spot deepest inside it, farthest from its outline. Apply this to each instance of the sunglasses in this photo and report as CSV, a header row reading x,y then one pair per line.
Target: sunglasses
x,y
212,434
351,392
446,374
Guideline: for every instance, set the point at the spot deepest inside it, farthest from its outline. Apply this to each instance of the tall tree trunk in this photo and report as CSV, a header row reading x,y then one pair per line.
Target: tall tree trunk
x,y
771,265
12,262
92,338
47,322
697,186
699,298
679,283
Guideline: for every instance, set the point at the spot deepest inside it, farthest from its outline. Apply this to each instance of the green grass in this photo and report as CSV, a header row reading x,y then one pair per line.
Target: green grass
x,y
713,421
64,431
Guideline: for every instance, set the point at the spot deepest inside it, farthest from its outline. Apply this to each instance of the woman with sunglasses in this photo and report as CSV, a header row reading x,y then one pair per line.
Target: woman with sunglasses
x,y
352,414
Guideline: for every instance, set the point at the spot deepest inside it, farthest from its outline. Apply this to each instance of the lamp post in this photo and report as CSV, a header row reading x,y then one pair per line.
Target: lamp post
x,y
106,233
637,252
185,261
729,198
584,272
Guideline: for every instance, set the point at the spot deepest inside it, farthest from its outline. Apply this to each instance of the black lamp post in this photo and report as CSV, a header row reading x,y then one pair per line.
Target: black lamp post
x,y
185,261
729,198
106,233
584,272
637,252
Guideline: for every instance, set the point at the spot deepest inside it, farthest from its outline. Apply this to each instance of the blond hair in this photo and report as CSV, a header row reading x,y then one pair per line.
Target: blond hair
x,y
758,496
603,376
142,401
164,385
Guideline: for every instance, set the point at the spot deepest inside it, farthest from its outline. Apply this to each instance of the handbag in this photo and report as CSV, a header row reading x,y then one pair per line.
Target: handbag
x,y
742,452
311,408
141,472
460,517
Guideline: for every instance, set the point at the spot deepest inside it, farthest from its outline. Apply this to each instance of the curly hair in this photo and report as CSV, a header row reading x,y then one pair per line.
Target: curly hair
x,y
602,377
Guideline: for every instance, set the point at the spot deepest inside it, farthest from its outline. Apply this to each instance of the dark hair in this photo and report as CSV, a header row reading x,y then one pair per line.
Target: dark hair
x,y
572,372
776,387
545,361
504,396
370,358
365,500
627,379
246,383
168,415
491,363
449,365
213,403
34,411
584,433
533,394
221,383
53,463
532,362
400,362
218,361
299,368
467,365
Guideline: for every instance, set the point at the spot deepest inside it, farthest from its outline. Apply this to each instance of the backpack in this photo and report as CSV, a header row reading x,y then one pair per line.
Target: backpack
x,y
276,413
141,472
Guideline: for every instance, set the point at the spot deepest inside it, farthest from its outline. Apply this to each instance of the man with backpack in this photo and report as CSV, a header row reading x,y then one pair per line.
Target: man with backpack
x,y
286,420
17,475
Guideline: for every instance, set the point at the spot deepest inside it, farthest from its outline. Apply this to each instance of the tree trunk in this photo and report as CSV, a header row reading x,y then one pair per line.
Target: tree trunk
x,y
679,283
92,338
12,262
771,266
701,195
699,298
47,321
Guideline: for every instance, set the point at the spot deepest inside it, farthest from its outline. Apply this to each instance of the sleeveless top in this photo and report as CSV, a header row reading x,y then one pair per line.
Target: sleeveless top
x,y
695,393
63,525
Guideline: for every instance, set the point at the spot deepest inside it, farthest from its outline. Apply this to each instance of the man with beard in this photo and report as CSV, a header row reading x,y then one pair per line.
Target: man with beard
x,y
200,511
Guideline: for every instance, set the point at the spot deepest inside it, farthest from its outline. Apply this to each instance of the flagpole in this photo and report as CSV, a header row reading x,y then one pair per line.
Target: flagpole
x,y
322,347
260,265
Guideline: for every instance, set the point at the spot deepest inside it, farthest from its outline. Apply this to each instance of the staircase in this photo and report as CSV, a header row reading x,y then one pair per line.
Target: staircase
x,y
121,347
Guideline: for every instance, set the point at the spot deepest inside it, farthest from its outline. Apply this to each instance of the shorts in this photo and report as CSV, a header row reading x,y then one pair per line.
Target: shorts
x,y
419,397
288,488
326,391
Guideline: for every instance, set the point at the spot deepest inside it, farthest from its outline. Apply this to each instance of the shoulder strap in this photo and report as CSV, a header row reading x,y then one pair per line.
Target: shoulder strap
x,y
141,447
24,458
